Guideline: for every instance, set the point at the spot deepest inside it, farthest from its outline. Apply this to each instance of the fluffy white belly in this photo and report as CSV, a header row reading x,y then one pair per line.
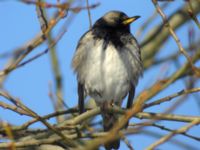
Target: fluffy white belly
x,y
108,74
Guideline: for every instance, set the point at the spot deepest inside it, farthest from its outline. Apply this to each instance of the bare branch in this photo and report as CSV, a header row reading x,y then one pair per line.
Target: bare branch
x,y
170,135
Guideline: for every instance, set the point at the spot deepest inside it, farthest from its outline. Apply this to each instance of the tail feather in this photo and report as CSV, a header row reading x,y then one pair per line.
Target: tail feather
x,y
108,122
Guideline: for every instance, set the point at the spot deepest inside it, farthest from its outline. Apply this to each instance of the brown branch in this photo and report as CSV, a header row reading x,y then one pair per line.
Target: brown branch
x,y
13,108
160,85
155,38
34,43
127,143
130,130
41,17
115,132
91,113
192,14
168,98
30,142
153,61
27,124
35,115
163,116
146,24
63,6
170,130
44,52
173,34
10,136
89,14
170,135
54,59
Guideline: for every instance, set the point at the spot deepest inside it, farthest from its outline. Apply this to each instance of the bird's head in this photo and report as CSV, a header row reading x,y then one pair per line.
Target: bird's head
x,y
115,19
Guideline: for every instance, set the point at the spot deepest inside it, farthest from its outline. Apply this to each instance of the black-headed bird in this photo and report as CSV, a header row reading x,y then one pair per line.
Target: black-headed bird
x,y
108,65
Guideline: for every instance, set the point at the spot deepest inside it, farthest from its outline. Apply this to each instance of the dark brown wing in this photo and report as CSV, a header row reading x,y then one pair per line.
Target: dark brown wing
x,y
81,97
130,97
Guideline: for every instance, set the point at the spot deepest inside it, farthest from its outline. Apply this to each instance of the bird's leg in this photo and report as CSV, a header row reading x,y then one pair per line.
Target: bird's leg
x,y
104,107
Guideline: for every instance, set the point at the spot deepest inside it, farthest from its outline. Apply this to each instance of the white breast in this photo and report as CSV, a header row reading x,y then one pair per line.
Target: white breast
x,y
107,73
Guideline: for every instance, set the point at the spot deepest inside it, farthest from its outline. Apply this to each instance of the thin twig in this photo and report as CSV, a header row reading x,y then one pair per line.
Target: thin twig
x,y
168,98
169,27
61,6
191,13
89,14
54,59
170,130
37,41
13,108
170,135
35,115
43,52
146,24
10,136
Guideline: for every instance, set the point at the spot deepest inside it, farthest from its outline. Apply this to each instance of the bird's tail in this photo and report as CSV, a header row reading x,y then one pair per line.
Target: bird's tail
x,y
109,119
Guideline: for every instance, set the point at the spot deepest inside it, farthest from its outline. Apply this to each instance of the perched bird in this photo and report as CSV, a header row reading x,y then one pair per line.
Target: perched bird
x,y
108,64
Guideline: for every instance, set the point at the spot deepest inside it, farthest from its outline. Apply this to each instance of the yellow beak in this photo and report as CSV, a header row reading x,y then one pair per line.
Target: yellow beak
x,y
130,20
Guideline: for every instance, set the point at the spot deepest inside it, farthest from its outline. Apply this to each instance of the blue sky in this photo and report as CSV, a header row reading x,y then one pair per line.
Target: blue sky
x,y
19,24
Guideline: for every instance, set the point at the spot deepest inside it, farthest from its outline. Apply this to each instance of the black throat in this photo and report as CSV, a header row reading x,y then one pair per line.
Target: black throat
x,y
118,37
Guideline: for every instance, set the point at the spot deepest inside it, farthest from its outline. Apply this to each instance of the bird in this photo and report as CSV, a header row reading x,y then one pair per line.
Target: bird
x,y
108,64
